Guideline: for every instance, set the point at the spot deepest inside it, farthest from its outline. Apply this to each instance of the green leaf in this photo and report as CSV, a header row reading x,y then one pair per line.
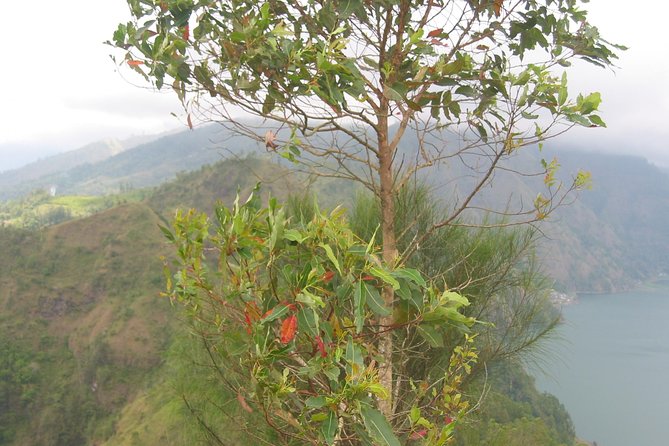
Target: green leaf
x,y
522,79
307,319
392,94
385,276
329,428
277,312
378,427
294,235
167,233
457,298
332,373
410,274
359,298
596,120
353,357
562,94
414,414
331,256
589,103
315,402
370,245
578,119
268,104
309,299
431,335
375,301
466,90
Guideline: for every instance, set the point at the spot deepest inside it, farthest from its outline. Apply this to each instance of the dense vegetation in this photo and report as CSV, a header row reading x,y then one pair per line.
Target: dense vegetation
x,y
114,366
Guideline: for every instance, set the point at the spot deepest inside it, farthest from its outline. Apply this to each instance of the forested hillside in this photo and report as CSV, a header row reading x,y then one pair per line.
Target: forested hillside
x,y
613,236
97,356
107,167
608,238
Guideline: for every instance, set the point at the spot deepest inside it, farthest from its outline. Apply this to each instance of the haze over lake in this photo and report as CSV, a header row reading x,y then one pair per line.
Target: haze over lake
x,y
611,369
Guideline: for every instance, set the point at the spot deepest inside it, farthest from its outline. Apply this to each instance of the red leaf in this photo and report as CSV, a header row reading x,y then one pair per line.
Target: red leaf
x,y
448,420
251,309
367,278
435,32
321,347
327,277
134,63
186,32
418,434
288,329
248,323
497,5
251,315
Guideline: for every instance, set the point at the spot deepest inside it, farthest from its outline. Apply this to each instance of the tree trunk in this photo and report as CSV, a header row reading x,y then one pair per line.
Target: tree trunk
x,y
390,255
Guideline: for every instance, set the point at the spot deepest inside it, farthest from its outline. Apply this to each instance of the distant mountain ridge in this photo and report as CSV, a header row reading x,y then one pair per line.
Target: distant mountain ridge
x,y
17,182
106,166
610,238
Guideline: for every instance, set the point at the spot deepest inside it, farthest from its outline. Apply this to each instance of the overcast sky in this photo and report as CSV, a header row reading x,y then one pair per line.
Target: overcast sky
x,y
60,90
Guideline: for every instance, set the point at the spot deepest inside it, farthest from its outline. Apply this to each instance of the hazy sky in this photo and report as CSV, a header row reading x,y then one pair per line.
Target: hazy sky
x,y
61,90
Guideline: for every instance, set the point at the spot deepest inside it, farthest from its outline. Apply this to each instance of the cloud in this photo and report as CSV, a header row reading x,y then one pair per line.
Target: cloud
x,y
131,104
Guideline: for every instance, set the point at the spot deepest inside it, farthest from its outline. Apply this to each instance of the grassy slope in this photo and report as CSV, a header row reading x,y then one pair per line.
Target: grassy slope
x,y
85,295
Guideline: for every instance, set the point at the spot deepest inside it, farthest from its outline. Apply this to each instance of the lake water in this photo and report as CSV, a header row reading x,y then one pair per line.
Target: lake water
x,y
611,369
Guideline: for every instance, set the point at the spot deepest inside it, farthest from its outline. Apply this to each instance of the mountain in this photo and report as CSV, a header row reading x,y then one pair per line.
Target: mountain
x,y
108,166
19,181
83,329
610,238
614,235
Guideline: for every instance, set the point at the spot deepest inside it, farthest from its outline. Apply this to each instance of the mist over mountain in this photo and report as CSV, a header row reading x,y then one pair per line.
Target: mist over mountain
x,y
609,238
108,166
16,155
616,234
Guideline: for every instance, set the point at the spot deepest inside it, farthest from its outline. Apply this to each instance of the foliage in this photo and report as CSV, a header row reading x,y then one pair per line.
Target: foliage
x,y
40,209
514,413
495,269
288,313
493,266
482,69
18,386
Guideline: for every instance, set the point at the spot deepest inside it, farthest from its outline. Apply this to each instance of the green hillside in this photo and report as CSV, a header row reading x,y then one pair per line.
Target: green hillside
x,y
91,353
79,305
83,329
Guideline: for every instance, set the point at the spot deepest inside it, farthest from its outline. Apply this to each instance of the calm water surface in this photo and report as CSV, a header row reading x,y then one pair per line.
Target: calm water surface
x,y
611,370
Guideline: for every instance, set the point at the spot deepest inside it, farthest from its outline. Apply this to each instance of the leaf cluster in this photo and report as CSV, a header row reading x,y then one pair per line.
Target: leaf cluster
x,y
291,311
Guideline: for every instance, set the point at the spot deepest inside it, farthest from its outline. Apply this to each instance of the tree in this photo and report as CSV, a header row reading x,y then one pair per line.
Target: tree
x,y
343,82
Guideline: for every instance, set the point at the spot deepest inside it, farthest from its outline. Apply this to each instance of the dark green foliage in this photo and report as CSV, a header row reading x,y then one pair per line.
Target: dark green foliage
x,y
494,267
19,377
514,413
250,280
